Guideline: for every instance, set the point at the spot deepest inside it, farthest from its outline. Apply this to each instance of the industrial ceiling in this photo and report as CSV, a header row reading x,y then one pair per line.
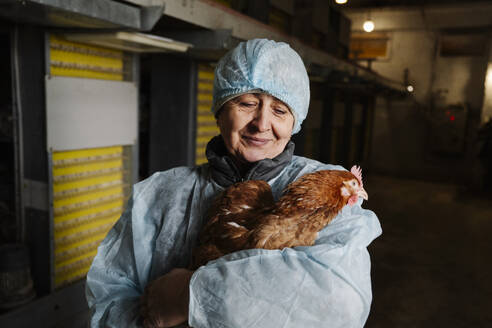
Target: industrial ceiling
x,y
406,3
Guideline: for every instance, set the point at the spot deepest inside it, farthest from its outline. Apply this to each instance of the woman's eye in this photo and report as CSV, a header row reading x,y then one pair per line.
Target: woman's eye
x,y
248,104
280,111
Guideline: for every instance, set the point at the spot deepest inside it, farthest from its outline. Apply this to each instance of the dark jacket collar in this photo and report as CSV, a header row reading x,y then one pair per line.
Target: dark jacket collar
x,y
225,172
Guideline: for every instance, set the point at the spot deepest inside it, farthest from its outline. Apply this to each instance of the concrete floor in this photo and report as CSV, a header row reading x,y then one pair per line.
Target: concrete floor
x,y
432,267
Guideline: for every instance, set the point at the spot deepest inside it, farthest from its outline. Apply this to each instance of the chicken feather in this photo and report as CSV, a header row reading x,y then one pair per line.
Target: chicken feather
x,y
245,216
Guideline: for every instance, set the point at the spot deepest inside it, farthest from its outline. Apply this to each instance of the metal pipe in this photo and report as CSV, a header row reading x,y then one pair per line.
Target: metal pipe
x,y
51,229
18,138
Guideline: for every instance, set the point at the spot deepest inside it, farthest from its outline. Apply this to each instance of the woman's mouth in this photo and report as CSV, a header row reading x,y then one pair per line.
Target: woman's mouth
x,y
255,141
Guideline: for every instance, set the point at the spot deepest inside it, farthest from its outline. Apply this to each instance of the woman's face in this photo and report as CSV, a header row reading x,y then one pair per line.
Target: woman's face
x,y
255,126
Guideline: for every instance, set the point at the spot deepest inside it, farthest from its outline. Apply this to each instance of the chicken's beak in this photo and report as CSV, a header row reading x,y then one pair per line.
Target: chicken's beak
x,y
362,193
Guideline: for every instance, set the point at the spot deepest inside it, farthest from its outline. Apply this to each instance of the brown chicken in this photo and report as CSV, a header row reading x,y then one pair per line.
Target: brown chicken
x,y
245,215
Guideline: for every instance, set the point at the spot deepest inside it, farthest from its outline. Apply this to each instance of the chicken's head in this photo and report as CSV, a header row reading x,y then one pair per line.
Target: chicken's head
x,y
353,188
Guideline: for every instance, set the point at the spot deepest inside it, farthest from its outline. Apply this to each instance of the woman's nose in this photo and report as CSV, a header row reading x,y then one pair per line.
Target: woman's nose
x,y
262,119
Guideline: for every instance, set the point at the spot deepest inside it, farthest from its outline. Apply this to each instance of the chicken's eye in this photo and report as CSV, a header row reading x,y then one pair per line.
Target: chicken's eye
x,y
354,184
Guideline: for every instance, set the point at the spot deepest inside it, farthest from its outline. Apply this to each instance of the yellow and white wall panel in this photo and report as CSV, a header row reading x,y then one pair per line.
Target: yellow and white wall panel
x,y
92,131
206,123
89,191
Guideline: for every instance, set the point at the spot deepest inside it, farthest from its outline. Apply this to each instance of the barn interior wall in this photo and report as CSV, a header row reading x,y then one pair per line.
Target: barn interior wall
x,y
402,143
30,78
172,112
487,99
412,50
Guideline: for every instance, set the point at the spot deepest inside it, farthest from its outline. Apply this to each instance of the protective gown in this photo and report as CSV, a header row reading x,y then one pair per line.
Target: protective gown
x,y
325,285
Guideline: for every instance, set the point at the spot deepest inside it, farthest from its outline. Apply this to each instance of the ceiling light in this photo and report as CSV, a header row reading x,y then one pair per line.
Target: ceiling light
x,y
341,2
368,26
410,88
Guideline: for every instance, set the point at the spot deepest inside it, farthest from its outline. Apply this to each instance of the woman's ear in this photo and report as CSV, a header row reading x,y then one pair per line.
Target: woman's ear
x,y
217,115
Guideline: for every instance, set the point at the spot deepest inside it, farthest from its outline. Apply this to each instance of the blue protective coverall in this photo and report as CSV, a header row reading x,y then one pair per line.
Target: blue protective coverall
x,y
325,285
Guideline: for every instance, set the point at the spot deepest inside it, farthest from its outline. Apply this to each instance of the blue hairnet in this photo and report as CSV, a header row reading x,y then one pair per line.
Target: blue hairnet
x,y
263,66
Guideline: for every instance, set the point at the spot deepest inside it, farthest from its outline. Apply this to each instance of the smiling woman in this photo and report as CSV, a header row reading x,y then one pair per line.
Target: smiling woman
x,y
255,126
141,276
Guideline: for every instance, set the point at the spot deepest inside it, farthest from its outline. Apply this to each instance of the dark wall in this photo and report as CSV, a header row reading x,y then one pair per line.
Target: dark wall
x,y
30,52
7,160
172,112
413,137
345,126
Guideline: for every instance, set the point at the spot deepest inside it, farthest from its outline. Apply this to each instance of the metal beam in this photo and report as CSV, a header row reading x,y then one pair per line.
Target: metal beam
x,y
105,14
204,39
207,44
213,16
149,16
460,16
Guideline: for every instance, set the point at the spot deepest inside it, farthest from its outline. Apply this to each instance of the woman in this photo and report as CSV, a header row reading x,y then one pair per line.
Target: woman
x,y
261,97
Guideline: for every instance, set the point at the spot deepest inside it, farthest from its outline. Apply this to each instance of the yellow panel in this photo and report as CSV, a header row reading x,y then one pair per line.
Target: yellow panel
x,y
208,129
206,118
80,60
201,145
63,257
201,160
74,169
85,198
63,210
57,71
83,228
205,97
206,122
62,227
74,275
200,150
108,52
202,140
89,194
206,75
65,244
204,109
87,213
89,60
203,86
77,269
73,262
87,174
62,188
81,153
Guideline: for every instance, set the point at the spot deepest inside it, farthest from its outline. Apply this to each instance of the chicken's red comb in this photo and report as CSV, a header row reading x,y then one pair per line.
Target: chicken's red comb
x,y
357,171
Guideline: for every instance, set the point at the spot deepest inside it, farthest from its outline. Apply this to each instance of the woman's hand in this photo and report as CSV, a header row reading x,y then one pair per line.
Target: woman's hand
x,y
165,300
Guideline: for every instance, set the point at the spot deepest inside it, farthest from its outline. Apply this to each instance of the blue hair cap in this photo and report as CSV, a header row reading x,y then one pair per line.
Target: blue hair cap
x,y
263,66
